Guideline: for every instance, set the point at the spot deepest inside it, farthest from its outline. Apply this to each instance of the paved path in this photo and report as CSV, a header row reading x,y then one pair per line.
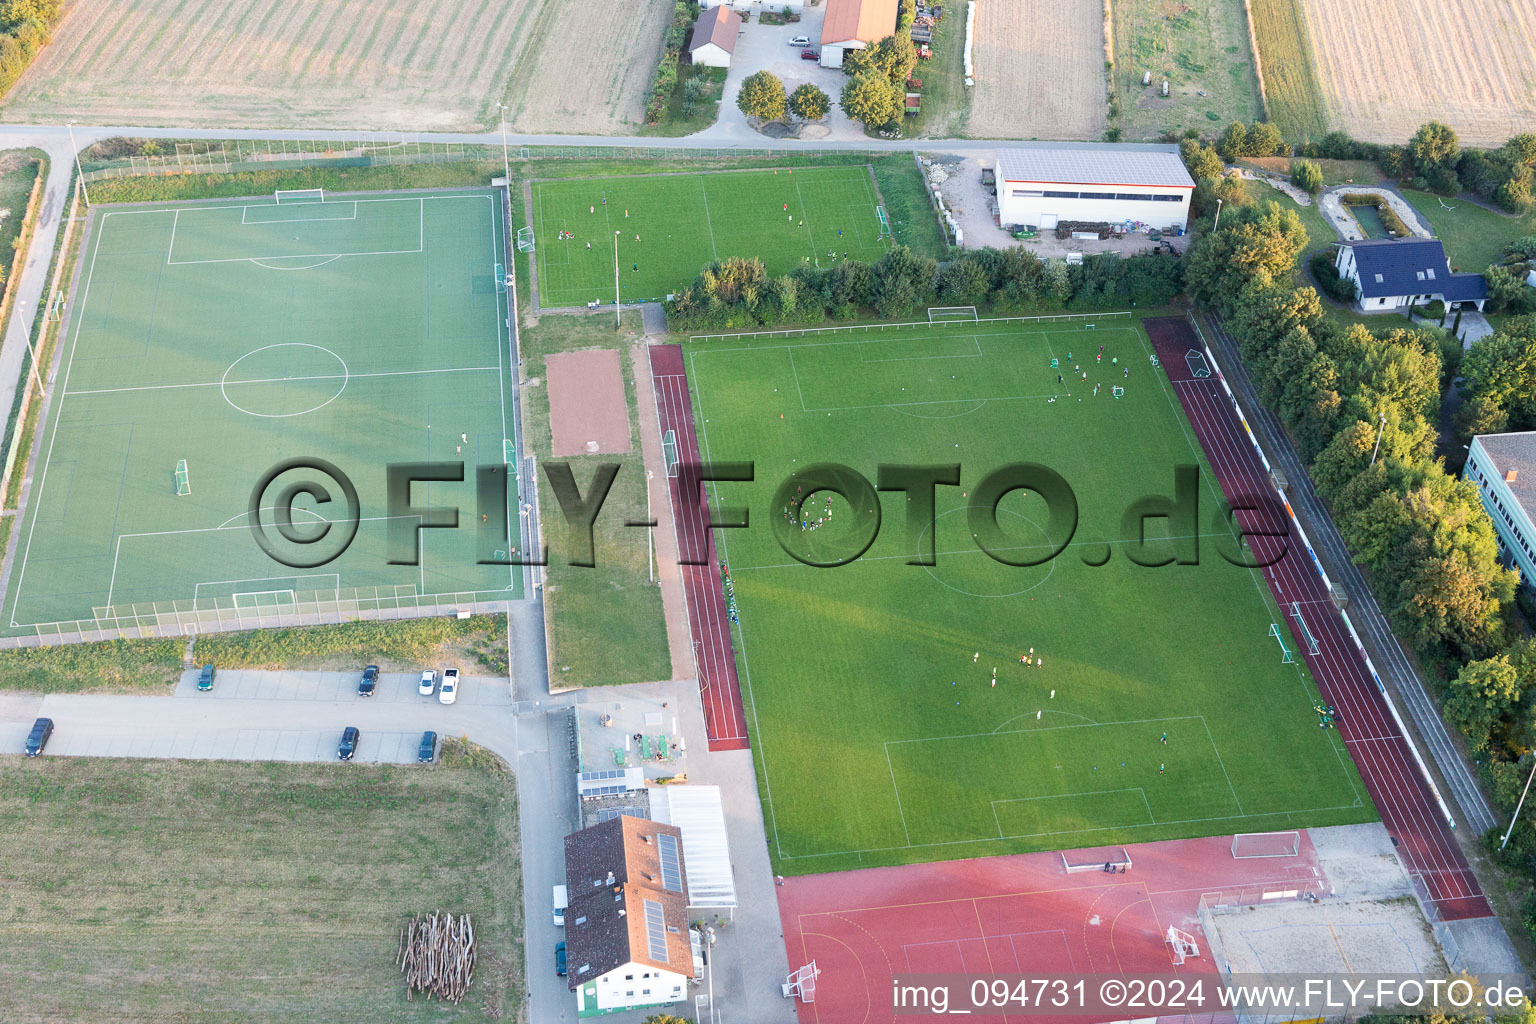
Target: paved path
x,y
1399,674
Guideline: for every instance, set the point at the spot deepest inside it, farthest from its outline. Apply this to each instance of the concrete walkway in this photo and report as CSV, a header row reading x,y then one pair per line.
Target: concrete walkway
x,y
1332,205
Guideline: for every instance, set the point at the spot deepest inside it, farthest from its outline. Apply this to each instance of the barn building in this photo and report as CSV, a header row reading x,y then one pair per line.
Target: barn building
x,y
714,37
1142,186
853,25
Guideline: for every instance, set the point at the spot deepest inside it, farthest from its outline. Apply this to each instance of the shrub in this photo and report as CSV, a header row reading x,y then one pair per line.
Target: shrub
x,y
809,103
1327,277
1306,176
762,97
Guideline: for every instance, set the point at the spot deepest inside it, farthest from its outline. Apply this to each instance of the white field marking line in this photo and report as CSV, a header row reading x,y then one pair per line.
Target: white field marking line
x,y
897,788
301,256
315,266
911,359
978,551
1071,832
709,224
295,220
268,579
284,380
421,233
1052,728
1151,818
171,248
806,214
1217,751
799,390
118,547
921,331
501,376
745,674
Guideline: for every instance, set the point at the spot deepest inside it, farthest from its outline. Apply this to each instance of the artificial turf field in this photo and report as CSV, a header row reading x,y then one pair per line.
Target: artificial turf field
x,y
686,220
362,331
880,738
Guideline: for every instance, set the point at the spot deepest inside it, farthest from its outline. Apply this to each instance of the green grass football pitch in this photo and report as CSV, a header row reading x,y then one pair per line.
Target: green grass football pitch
x,y
360,331
880,738
685,221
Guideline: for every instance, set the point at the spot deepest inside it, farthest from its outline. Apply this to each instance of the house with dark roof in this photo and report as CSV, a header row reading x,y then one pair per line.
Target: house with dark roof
x,y
714,37
1391,274
628,944
1137,186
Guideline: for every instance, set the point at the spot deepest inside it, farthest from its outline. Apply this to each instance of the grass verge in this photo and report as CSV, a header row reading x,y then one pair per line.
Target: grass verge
x,y
395,645
112,666
1293,94
209,890
1474,235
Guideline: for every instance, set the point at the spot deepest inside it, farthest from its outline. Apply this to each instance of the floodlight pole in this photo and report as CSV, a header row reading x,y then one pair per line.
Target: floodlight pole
x,y
617,323
1217,219
78,169
21,307
1379,431
1516,817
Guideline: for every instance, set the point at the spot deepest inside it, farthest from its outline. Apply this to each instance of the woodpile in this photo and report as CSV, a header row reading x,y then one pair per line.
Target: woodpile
x,y
437,955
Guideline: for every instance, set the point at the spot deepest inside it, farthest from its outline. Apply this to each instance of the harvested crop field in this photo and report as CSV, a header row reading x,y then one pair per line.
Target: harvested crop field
x,y
1039,71
375,64
1388,66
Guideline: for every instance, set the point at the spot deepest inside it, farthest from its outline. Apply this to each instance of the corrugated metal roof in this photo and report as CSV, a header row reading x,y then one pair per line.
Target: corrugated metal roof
x,y
1089,164
698,813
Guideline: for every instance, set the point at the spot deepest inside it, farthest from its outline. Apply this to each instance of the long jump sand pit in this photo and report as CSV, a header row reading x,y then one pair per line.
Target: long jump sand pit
x,y
588,411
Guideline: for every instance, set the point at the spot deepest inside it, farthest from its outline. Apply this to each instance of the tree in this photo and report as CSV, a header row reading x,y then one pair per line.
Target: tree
x,y
873,100
895,57
902,279
1256,243
809,103
762,97
1307,176
1434,145
1480,697
664,1018
1233,141
964,281
1264,139
1448,611
1201,161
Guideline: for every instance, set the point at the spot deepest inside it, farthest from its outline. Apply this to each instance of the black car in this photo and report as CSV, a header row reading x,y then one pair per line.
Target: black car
x,y
37,739
428,747
205,678
370,680
349,738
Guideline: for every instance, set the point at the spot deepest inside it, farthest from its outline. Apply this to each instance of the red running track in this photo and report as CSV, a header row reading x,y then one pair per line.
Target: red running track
x,y
1020,914
725,720
1410,812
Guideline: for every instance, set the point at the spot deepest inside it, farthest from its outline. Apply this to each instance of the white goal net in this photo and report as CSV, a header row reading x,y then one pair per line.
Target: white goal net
x,y
1266,844
940,314
299,195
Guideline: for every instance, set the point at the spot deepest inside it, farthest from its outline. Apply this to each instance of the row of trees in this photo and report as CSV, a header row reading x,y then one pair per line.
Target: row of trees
x,y
25,27
762,97
1434,160
738,293
875,93
684,14
1422,533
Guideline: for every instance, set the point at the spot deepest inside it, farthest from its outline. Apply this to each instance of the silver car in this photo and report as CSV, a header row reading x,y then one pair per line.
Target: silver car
x,y
428,683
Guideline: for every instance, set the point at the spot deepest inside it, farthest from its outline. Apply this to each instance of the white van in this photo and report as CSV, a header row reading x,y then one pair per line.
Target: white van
x,y
562,900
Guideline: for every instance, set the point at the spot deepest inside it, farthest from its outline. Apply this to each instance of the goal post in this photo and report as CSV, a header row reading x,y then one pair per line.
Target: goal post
x,y
183,481
885,222
525,239
299,195
801,983
942,314
1248,845
1114,861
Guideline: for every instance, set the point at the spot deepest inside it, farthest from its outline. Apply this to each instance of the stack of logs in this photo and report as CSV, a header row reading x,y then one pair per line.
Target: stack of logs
x,y
437,955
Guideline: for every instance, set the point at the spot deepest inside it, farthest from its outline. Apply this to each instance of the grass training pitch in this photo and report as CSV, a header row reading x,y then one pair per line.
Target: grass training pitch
x,y
787,217
360,331
881,738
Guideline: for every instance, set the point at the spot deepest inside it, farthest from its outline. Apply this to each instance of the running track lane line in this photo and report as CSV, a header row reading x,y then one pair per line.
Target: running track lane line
x,y
1380,751
725,718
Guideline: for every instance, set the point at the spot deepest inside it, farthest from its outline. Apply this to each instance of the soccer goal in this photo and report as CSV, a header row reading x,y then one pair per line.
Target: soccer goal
x,y
885,222
1246,845
1286,658
299,195
942,314
669,452
183,481
801,983
1198,367
501,278
1114,863
1306,631
1183,944
525,239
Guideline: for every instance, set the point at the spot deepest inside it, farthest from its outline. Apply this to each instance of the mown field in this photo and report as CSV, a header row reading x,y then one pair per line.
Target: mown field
x,y
1197,48
376,64
207,890
1293,96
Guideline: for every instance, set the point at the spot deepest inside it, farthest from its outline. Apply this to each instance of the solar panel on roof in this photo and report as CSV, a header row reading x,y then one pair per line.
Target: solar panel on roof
x,y
671,862
655,931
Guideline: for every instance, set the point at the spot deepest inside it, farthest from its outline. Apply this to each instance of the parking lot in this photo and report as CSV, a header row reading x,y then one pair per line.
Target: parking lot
x,y
478,691
766,47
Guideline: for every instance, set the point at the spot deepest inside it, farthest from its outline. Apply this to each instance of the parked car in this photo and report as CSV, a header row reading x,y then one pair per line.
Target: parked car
x,y
349,738
560,959
37,739
810,55
428,683
562,900
428,749
369,682
205,678
800,41
449,691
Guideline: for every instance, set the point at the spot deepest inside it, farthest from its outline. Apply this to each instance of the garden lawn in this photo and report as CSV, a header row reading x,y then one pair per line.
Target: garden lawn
x,y
879,734
1474,236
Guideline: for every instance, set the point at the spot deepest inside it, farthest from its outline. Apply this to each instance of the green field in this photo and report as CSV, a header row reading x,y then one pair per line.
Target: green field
x,y
360,331
1474,235
1202,50
684,221
250,893
879,737
1294,96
